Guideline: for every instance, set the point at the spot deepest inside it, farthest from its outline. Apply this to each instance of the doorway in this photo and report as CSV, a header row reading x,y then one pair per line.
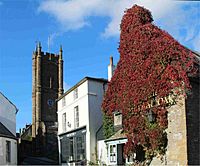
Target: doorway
x,y
120,156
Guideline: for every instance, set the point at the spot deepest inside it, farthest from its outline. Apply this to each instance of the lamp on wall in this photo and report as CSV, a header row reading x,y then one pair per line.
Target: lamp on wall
x,y
151,116
68,124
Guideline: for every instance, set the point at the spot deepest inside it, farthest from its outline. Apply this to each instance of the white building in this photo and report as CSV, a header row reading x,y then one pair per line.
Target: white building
x,y
80,120
8,141
110,151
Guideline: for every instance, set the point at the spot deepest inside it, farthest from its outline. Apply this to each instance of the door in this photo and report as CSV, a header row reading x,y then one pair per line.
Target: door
x,y
120,155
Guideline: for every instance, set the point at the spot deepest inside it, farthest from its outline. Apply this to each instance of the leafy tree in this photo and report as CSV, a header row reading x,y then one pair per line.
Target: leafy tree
x,y
152,64
108,128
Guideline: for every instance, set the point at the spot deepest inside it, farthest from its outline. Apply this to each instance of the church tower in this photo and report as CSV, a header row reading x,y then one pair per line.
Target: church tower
x,y
47,86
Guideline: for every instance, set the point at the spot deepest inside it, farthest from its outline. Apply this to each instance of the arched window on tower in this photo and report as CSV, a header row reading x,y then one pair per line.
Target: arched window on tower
x,y
50,82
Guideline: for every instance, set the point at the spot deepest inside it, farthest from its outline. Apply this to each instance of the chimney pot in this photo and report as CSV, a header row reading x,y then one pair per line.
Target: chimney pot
x,y
111,60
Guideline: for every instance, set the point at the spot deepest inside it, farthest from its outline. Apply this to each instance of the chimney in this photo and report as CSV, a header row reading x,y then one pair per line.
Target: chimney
x,y
111,69
117,120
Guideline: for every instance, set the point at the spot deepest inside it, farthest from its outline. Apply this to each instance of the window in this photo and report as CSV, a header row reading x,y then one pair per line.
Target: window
x,y
80,144
73,148
76,117
66,149
50,82
8,151
64,122
75,93
63,102
112,153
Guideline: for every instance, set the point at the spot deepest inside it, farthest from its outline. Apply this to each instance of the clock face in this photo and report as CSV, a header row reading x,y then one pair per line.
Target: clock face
x,y
50,102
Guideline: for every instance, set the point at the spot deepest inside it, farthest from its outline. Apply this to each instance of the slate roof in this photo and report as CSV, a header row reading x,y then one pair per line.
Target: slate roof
x,y
4,132
118,135
9,102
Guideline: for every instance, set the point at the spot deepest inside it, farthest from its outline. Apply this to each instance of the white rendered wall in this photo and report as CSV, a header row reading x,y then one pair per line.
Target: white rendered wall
x,y
81,102
102,153
90,96
7,114
96,91
3,151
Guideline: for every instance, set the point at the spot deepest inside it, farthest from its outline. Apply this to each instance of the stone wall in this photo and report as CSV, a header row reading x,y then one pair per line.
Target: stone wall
x,y
183,130
177,142
176,134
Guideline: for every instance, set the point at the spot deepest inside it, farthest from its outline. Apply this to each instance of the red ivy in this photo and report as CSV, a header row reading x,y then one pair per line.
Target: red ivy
x,y
150,61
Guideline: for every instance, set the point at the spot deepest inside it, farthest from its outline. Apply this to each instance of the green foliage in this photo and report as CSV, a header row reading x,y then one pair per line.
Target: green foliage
x,y
91,163
108,126
27,137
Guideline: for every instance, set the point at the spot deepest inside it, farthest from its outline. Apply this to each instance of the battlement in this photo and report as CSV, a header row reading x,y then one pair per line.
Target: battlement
x,y
47,55
50,56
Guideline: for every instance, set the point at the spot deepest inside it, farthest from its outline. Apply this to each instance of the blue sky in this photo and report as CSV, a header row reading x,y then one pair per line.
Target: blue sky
x,y
88,31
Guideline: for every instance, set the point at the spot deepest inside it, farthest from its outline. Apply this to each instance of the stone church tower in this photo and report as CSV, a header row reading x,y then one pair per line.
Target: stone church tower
x,y
47,86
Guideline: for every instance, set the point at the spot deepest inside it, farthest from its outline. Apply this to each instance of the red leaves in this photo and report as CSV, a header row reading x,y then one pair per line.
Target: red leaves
x,y
135,16
150,61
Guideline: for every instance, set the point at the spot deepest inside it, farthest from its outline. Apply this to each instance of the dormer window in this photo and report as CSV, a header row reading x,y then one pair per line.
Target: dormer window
x,y
75,93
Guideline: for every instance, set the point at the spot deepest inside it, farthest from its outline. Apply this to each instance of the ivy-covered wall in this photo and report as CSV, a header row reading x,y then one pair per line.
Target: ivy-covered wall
x,y
152,65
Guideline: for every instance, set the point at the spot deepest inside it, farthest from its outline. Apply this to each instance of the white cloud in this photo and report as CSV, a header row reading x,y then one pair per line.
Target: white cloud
x,y
183,23
74,14
171,16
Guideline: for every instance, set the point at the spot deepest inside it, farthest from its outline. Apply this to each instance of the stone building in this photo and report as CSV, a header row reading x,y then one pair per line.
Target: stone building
x,y
183,133
47,86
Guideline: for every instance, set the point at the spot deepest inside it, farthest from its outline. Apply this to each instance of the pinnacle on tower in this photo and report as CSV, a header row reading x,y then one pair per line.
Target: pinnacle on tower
x,y
60,48
60,53
39,47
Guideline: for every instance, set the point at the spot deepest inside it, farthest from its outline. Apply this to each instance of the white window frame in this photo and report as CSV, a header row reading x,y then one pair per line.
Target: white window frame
x,y
115,142
75,93
76,117
64,122
113,154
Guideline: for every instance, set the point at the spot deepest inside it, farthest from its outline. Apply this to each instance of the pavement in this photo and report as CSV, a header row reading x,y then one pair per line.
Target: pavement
x,y
38,161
